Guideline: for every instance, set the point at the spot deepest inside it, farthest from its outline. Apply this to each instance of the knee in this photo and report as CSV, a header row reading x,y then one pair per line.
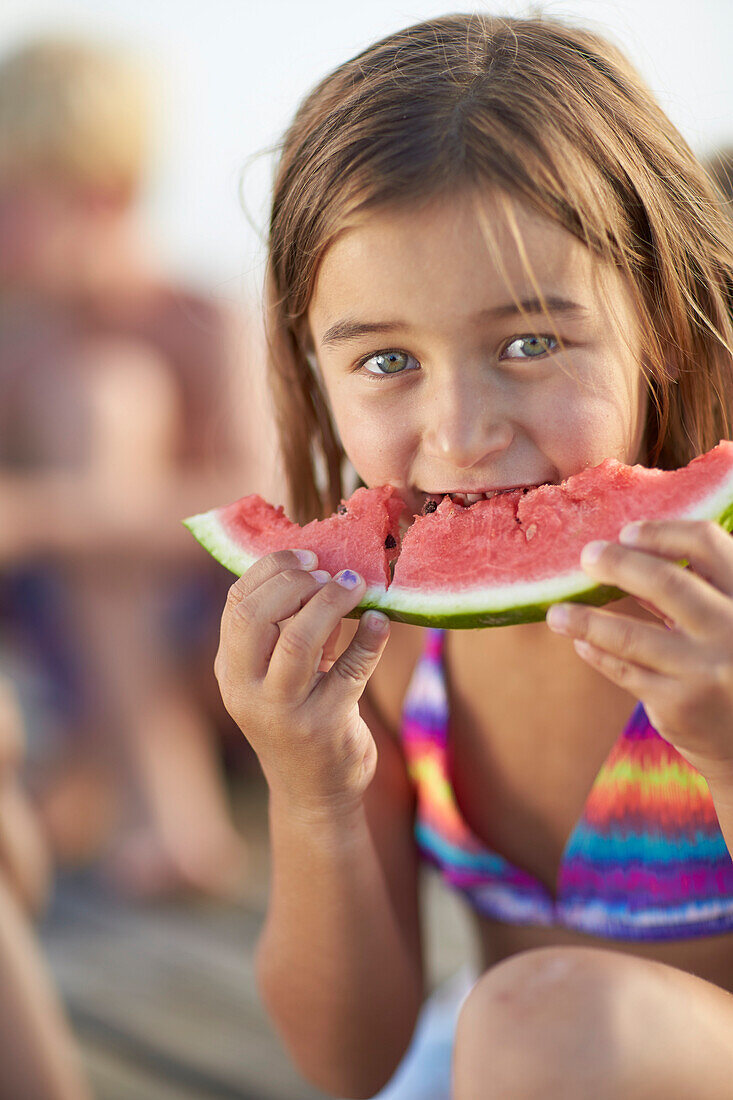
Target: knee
x,y
545,1022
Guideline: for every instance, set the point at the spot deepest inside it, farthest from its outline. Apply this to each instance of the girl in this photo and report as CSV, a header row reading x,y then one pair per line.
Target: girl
x,y
493,262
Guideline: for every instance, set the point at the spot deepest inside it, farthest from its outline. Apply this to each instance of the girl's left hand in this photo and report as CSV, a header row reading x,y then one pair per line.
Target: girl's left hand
x,y
683,671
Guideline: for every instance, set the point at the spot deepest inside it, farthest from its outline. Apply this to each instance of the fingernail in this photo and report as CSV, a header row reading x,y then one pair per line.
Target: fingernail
x,y
592,551
630,534
347,578
321,576
558,618
376,621
305,557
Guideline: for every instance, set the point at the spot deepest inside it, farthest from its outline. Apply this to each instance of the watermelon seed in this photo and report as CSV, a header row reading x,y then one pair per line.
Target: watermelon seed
x,y
531,531
341,509
429,506
389,542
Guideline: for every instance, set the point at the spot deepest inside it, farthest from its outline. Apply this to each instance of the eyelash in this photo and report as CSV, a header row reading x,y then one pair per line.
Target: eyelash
x,y
392,351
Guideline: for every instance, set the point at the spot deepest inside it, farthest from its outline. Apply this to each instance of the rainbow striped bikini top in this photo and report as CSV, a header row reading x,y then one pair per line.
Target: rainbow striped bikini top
x,y
646,860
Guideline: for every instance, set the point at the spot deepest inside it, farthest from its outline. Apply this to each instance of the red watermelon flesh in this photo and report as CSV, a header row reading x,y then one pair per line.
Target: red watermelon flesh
x,y
364,536
540,533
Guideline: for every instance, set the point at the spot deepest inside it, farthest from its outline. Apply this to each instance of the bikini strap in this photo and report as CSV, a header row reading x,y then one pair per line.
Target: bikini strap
x,y
425,710
434,647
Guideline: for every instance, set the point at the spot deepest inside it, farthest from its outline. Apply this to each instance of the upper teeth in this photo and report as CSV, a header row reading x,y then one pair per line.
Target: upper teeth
x,y
466,499
471,498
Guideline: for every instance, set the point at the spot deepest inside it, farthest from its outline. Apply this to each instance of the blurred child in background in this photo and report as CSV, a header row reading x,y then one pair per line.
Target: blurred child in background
x,y
117,418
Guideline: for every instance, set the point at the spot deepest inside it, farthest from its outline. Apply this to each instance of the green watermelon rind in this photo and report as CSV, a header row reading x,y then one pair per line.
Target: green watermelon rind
x,y
473,618
208,530
521,602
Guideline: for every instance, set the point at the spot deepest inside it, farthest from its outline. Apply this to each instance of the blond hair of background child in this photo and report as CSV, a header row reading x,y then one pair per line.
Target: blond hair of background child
x,y
91,128
493,262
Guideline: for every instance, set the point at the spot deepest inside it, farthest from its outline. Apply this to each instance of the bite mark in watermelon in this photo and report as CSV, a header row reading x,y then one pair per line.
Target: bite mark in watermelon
x,y
363,534
495,562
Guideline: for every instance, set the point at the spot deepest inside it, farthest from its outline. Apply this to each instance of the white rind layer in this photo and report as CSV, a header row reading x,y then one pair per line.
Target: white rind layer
x,y
488,597
208,529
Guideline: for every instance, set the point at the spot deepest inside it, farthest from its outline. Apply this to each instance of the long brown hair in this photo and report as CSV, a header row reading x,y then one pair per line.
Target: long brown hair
x,y
545,113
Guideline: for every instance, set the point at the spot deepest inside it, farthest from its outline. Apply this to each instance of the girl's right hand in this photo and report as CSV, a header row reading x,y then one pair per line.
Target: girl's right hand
x,y
303,723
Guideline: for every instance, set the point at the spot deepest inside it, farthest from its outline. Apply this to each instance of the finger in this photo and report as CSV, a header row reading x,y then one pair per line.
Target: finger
x,y
274,563
260,572
249,624
677,593
330,649
705,545
350,673
299,650
629,639
642,683
655,611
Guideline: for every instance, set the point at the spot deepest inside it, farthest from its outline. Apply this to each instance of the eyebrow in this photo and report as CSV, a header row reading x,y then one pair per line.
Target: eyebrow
x,y
348,329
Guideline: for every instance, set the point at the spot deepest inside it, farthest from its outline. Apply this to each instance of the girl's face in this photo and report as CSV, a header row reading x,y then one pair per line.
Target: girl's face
x,y
438,384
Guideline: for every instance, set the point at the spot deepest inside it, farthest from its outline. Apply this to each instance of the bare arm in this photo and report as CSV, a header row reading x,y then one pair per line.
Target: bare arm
x,y
339,962
24,862
100,472
36,1047
60,514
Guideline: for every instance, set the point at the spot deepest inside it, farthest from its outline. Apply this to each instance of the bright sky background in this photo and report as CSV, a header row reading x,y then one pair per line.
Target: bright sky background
x,y
230,74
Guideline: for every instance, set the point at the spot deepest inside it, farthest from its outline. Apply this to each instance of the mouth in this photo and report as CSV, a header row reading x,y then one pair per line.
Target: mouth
x,y
465,499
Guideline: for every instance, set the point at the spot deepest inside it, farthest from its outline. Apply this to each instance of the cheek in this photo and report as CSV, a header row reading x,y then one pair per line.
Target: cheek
x,y
376,441
595,423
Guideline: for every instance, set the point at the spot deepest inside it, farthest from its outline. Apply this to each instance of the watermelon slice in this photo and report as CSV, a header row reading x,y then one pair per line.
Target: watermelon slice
x,y
496,562
363,534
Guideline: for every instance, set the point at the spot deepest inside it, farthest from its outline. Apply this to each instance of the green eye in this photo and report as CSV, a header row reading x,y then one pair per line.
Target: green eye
x,y
535,346
388,362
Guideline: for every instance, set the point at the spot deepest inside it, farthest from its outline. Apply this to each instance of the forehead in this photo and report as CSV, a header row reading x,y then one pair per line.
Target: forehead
x,y
454,255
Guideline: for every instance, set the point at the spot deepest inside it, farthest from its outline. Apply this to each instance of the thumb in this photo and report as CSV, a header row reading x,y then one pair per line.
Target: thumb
x,y
358,661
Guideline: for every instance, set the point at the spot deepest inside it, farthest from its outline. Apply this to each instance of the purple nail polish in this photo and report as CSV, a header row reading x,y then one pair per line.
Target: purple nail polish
x,y
347,578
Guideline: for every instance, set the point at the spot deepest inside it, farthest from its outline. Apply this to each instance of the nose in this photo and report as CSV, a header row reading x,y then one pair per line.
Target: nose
x,y
467,420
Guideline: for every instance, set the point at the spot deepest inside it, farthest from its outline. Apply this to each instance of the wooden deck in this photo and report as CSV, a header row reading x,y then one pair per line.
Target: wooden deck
x,y
162,997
